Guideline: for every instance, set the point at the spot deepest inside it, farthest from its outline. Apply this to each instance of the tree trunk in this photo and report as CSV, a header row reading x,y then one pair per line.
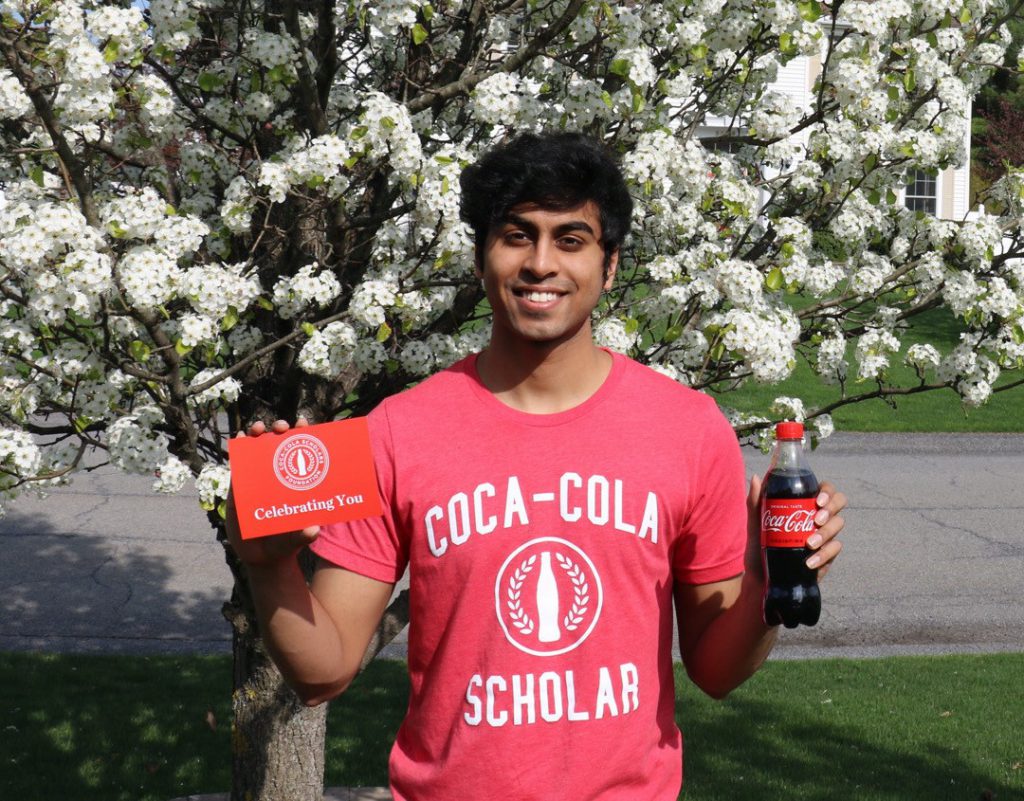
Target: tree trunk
x,y
277,743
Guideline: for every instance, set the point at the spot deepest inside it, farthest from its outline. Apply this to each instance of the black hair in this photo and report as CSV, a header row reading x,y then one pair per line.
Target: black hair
x,y
553,170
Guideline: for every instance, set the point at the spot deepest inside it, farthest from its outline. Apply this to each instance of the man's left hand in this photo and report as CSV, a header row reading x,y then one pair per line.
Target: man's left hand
x,y
828,522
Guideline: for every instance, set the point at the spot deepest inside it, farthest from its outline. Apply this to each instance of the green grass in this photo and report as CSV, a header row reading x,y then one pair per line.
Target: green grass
x,y
901,729
932,411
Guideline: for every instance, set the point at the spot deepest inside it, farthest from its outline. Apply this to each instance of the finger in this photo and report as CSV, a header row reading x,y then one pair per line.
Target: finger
x,y
279,426
754,493
257,428
287,544
302,422
825,555
829,498
825,533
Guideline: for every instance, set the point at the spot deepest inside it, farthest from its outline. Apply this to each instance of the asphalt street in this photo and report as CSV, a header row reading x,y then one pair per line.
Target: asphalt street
x,y
933,559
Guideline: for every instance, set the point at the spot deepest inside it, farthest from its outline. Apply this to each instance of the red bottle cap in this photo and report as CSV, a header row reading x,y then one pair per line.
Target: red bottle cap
x,y
789,430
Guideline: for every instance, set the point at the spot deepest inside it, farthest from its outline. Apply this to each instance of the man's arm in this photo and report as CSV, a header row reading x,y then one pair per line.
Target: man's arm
x,y
722,636
316,634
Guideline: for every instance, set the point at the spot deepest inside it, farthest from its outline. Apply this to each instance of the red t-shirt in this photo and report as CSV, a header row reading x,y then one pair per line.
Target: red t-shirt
x,y
542,552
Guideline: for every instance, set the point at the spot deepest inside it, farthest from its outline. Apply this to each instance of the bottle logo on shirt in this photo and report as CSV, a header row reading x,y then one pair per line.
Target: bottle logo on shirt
x,y
547,597
301,462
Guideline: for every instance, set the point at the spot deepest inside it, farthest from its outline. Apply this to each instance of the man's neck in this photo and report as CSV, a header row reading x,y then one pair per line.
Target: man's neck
x,y
540,378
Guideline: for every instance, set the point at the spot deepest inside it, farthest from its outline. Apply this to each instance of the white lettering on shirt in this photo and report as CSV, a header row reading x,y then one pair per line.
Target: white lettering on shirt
x,y
595,500
551,697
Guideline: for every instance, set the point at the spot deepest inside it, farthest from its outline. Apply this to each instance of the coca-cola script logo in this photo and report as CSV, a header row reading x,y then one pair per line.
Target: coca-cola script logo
x,y
301,462
799,521
787,523
547,597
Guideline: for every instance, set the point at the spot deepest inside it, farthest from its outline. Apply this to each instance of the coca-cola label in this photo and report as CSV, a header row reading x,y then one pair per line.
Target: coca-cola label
x,y
787,523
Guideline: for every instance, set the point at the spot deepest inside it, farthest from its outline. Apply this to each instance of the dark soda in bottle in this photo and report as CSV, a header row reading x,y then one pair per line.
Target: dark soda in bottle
x,y
787,519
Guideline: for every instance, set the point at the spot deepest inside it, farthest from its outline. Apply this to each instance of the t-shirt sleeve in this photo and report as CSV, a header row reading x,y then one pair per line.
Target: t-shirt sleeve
x,y
714,538
374,546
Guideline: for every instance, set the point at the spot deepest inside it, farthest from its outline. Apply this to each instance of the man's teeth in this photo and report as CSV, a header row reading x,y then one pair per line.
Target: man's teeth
x,y
541,297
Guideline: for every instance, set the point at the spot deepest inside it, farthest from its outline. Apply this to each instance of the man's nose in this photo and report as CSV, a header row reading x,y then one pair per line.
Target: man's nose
x,y
542,259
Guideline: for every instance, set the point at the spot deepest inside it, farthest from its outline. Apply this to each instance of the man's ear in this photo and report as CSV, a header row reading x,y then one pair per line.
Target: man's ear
x,y
610,268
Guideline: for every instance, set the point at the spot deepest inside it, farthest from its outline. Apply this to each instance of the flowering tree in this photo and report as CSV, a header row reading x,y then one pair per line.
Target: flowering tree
x,y
216,212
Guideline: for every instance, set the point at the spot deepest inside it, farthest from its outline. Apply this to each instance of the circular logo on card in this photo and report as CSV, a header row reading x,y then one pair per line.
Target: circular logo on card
x,y
301,462
548,597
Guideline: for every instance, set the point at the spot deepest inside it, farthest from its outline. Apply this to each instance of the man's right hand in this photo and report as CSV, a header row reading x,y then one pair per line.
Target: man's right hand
x,y
277,548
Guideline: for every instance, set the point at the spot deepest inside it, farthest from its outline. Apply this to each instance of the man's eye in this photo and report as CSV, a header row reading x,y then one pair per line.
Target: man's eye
x,y
516,236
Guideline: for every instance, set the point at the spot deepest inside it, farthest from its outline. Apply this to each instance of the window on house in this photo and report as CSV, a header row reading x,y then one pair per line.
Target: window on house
x,y
921,192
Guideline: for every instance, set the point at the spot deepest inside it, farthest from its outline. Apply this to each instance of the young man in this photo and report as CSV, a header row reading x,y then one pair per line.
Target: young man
x,y
552,501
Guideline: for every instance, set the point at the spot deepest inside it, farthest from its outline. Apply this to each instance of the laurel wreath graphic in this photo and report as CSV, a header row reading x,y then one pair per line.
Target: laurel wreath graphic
x,y
580,593
520,618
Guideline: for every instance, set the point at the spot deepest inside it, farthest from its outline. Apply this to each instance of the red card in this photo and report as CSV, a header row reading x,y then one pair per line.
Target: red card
x,y
305,477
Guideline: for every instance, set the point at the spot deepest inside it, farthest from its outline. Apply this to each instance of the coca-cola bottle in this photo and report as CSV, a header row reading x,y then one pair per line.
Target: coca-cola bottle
x,y
787,519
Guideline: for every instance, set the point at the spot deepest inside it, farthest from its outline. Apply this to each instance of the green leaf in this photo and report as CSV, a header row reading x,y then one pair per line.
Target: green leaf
x,y
388,124
181,349
428,12
116,230
222,510
632,325
230,319
699,52
81,424
890,197
139,350
775,279
208,82
933,40
965,15
809,10
383,332
870,162
36,173
638,102
909,80
308,329
419,34
619,66
265,303
110,51
607,98
718,351
672,334
786,43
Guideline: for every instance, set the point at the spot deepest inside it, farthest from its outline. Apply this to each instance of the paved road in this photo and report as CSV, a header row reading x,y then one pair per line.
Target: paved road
x,y
934,558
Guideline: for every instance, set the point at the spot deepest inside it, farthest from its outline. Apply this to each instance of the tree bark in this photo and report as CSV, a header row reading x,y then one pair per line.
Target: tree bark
x,y
277,743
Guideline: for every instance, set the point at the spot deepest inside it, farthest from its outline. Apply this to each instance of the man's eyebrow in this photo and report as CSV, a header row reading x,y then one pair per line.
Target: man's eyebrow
x,y
573,225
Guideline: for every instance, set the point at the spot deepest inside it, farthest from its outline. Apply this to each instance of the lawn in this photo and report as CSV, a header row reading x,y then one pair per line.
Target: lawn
x,y
932,411
898,729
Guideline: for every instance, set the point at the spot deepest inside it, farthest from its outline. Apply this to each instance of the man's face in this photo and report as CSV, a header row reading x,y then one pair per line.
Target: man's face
x,y
544,271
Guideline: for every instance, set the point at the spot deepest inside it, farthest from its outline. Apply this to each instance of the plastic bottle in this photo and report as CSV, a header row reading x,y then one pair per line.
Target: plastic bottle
x,y
788,507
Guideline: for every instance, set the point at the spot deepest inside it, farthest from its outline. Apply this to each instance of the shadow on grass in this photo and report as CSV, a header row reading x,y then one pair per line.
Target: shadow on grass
x,y
104,728
743,750
362,724
104,569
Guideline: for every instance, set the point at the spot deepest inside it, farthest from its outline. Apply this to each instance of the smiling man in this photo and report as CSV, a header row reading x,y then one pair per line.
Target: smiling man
x,y
553,503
